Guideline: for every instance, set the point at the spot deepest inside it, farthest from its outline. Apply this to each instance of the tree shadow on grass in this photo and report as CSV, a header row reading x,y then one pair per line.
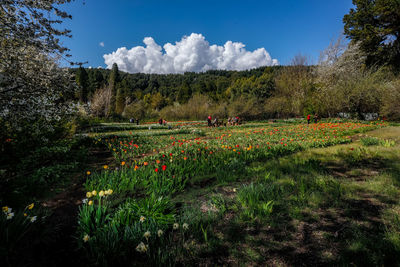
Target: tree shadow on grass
x,y
349,231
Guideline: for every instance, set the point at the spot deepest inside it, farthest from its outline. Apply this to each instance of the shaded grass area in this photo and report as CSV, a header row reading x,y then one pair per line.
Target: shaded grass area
x,y
327,206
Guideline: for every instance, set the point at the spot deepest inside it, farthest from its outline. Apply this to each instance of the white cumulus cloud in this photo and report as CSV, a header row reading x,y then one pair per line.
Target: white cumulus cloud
x,y
192,53
101,44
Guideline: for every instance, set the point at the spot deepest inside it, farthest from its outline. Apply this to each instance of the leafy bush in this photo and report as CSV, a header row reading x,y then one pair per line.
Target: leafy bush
x,y
388,143
257,200
156,210
370,141
108,236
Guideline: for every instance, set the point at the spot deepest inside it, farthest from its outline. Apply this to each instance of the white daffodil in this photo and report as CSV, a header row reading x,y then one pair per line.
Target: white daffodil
x,y
86,238
160,233
10,215
141,247
146,235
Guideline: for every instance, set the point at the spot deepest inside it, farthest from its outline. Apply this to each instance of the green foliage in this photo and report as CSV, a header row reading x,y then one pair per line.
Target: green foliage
x,y
113,80
374,24
257,200
20,230
92,218
158,210
388,143
34,172
109,236
343,85
370,141
82,79
119,101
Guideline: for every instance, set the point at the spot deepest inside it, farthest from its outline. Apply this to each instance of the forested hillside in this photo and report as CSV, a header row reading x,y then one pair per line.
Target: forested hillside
x,y
339,83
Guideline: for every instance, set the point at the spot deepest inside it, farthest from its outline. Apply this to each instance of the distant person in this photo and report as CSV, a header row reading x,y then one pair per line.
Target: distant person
x,y
209,121
137,121
308,118
315,118
131,120
235,120
215,122
160,121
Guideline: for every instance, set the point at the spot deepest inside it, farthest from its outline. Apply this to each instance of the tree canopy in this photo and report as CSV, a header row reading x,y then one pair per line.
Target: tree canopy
x,y
375,24
31,83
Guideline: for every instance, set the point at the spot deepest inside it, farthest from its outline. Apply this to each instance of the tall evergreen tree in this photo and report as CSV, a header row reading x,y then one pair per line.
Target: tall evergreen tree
x,y
375,24
184,93
112,83
82,79
96,81
119,101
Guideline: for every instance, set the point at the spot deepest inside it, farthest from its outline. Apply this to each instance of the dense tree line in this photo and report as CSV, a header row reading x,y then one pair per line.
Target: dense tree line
x,y
340,83
157,91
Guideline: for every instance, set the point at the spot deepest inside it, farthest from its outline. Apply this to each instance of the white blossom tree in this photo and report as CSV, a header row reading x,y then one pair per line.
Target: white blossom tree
x,y
32,85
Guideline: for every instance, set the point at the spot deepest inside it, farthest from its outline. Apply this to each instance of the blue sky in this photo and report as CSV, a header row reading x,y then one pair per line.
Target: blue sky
x,y
283,27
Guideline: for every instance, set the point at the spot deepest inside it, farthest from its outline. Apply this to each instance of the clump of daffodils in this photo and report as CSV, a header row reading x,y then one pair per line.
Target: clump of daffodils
x,y
101,193
142,219
142,247
8,212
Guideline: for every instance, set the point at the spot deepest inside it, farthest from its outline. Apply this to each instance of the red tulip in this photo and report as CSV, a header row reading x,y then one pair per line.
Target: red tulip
x,y
163,167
